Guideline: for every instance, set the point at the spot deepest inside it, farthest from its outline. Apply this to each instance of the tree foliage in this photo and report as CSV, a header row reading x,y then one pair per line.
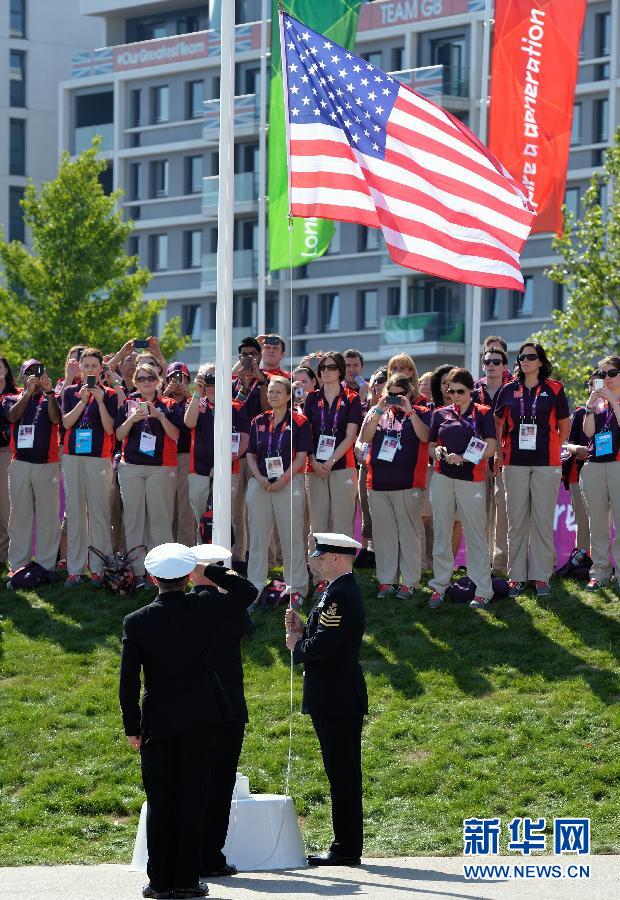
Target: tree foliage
x,y
588,328
77,285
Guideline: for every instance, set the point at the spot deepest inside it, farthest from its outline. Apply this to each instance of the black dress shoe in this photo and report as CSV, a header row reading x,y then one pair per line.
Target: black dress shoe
x,y
329,858
148,891
201,890
220,872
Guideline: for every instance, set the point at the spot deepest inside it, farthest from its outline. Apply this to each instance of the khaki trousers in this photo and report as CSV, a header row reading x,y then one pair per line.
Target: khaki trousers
x,y
183,520
580,512
497,520
397,516
450,496
265,508
601,487
362,494
148,505
34,489
5,503
119,544
88,482
332,500
240,512
199,487
531,497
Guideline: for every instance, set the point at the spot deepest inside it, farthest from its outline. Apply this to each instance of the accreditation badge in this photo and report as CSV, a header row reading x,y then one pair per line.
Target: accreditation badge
x,y
527,436
475,450
388,450
147,443
274,466
25,437
326,447
83,440
235,442
603,444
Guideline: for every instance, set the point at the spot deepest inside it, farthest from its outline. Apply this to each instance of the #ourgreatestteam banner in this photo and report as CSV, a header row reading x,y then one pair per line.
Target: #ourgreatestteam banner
x,y
533,76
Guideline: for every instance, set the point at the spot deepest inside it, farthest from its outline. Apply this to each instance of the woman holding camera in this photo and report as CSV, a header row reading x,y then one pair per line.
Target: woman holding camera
x,y
89,410
280,441
7,388
199,418
600,474
148,426
462,438
397,433
533,412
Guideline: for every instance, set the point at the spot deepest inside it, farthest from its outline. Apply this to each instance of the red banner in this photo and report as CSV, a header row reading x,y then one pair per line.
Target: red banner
x,y
533,77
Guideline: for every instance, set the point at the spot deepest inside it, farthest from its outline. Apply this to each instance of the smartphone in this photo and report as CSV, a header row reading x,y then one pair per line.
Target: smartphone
x,y
91,381
38,370
598,384
209,379
272,341
177,376
246,363
140,345
143,407
394,400
298,392
78,353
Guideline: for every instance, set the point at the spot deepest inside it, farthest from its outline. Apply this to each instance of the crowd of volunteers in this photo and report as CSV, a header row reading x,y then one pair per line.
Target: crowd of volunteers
x,y
119,454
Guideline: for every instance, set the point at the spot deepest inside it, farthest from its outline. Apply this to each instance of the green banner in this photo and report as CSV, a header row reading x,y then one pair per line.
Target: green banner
x,y
338,20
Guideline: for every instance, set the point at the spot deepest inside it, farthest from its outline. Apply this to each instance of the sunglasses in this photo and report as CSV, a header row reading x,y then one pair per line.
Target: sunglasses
x,y
494,362
457,390
329,367
379,381
610,373
530,356
146,378
252,354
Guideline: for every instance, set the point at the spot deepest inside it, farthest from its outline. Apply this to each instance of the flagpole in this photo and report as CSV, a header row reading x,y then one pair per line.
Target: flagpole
x,y
476,316
262,171
224,305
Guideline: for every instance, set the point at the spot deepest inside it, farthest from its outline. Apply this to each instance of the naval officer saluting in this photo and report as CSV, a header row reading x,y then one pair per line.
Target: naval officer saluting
x,y
334,692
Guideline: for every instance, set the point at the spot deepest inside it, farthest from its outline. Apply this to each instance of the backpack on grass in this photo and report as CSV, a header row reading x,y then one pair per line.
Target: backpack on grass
x,y
118,576
29,577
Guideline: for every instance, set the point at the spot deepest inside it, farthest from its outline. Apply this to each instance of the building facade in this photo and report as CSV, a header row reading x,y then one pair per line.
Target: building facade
x,y
38,39
153,95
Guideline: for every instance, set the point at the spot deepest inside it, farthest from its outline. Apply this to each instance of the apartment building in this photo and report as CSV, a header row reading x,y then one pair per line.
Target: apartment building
x,y
153,95
37,41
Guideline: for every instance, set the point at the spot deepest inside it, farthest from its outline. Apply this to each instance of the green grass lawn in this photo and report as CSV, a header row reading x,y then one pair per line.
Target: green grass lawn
x,y
503,712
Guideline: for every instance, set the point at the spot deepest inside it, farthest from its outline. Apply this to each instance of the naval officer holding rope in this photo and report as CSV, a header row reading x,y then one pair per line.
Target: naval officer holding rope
x,y
334,692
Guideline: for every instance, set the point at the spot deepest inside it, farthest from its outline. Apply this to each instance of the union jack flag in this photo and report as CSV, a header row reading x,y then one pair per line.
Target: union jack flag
x,y
365,148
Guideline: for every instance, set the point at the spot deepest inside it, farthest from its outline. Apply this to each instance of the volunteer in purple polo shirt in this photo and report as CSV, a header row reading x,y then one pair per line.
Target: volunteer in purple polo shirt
x,y
34,471
89,411
177,387
532,419
462,438
600,474
7,387
199,419
279,443
148,425
396,430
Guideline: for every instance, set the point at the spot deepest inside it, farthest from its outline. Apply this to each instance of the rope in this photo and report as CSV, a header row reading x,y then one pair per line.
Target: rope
x,y
290,606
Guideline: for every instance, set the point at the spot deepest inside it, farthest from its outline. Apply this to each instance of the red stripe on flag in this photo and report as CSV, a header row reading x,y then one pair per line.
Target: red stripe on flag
x,y
339,213
452,273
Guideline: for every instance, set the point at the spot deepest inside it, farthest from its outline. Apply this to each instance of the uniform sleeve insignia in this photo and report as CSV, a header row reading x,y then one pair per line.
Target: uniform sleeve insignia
x,y
329,617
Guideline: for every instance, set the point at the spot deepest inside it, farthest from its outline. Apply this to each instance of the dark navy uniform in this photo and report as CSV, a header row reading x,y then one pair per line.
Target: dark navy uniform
x,y
335,696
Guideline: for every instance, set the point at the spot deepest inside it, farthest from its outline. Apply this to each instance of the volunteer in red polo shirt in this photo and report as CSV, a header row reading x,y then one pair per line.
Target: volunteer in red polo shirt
x,y
335,416
89,410
199,419
148,426
572,462
533,412
177,387
7,387
397,431
462,438
276,459
600,475
34,471
273,351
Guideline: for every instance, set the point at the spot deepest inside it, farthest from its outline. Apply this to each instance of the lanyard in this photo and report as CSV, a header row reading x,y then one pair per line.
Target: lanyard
x,y
334,424
37,412
280,436
471,423
534,403
85,419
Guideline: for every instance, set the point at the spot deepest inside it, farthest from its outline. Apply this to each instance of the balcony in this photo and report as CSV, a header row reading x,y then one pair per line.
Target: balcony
x,y
245,266
83,137
246,190
247,114
439,327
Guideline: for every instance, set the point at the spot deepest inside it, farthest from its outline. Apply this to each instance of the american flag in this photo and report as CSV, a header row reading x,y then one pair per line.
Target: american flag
x,y
365,148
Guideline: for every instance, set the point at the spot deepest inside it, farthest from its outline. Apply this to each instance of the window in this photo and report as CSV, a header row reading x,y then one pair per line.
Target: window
x,y
192,249
398,55
303,314
334,244
134,181
195,98
193,174
160,104
17,142
330,312
158,252
190,316
603,34
490,304
133,247
571,199
575,135
149,31
188,24
244,313
16,214
271,312
374,58
523,303
368,303
17,77
367,238
559,296
393,301
106,179
601,120
159,178
18,19
135,107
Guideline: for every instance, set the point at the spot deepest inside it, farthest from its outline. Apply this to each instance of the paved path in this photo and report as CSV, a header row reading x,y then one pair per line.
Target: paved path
x,y
420,878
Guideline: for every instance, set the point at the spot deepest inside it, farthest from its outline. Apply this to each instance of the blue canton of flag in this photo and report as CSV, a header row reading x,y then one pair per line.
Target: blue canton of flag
x,y
481,836
571,836
329,85
527,835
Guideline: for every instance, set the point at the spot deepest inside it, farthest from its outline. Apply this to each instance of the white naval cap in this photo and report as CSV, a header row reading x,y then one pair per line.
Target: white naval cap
x,y
170,561
335,543
207,554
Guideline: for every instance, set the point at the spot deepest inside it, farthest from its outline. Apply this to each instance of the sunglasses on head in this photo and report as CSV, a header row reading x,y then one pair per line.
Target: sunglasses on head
x,y
610,373
530,356
494,362
146,378
457,390
328,367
